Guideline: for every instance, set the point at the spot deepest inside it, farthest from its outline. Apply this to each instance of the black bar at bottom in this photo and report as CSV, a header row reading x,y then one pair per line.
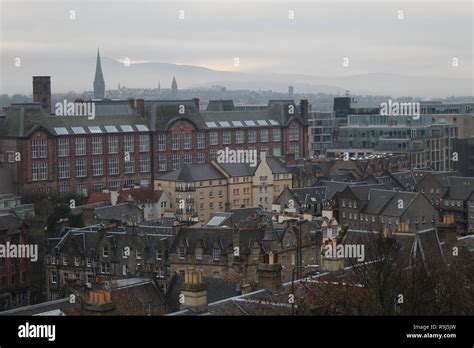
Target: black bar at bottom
x,y
420,330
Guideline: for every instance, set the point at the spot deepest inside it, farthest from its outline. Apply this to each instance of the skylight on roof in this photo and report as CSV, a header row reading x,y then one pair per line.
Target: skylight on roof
x,y
78,130
111,129
126,128
61,131
142,128
216,220
95,129
274,123
250,123
211,124
262,123
224,124
237,123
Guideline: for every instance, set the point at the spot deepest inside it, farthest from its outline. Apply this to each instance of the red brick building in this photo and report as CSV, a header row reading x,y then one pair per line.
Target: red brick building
x,y
126,143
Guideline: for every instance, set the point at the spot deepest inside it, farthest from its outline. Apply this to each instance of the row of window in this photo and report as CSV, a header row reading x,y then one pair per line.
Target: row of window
x,y
351,204
160,254
177,159
198,253
99,186
98,167
185,140
97,145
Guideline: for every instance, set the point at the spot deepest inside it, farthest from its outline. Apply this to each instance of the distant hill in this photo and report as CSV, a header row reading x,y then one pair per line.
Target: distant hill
x,y
78,75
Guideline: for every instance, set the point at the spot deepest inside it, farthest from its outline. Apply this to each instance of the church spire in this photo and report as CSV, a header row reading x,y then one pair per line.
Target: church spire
x,y
174,89
99,83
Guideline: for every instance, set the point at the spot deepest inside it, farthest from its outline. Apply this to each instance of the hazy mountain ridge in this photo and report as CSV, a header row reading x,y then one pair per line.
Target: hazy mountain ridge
x,y
147,75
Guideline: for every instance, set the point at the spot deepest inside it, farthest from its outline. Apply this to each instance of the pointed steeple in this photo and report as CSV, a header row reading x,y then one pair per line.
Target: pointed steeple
x,y
159,86
174,89
99,83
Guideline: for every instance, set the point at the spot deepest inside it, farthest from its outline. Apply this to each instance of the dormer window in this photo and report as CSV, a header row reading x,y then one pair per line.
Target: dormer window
x,y
181,252
105,251
138,253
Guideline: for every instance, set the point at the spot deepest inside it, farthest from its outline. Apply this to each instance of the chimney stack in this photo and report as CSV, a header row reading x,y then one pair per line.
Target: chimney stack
x,y
269,273
304,109
140,103
42,92
196,101
194,292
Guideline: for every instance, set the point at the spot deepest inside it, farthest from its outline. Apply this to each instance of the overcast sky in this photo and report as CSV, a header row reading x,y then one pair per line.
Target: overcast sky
x,y
260,34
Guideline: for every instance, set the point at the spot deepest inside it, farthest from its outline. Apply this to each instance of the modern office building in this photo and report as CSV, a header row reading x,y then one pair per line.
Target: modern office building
x,y
427,142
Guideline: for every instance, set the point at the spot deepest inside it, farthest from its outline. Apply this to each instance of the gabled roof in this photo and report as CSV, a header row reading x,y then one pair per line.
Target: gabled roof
x,y
334,187
140,195
460,187
309,195
385,202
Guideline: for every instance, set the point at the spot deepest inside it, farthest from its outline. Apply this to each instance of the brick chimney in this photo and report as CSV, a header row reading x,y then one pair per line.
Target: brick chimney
x,y
194,292
42,92
140,103
196,101
304,109
269,273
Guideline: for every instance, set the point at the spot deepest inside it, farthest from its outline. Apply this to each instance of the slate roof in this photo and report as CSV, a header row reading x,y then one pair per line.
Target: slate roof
x,y
460,187
196,172
312,195
423,245
238,169
10,222
385,202
334,187
362,191
63,305
405,179
162,113
244,169
343,176
210,237
276,165
117,212
390,184
223,237
22,119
